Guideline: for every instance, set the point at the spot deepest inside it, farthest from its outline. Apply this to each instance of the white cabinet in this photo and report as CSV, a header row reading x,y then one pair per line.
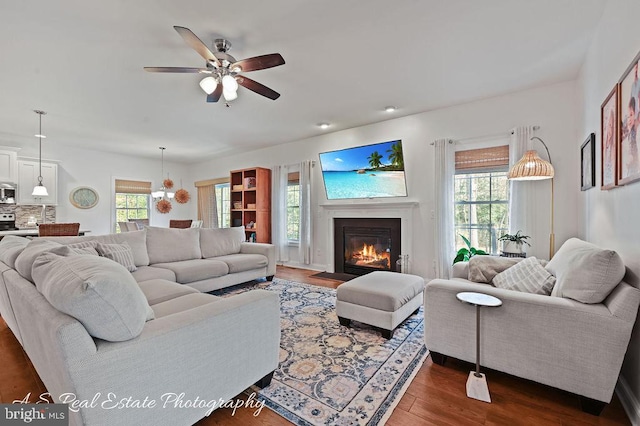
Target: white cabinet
x,y
28,172
8,166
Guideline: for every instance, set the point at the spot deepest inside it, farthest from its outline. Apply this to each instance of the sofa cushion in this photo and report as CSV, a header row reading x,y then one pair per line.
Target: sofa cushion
x,y
145,273
243,262
137,240
528,276
158,291
98,292
172,245
24,261
585,272
10,248
188,271
120,253
183,303
221,241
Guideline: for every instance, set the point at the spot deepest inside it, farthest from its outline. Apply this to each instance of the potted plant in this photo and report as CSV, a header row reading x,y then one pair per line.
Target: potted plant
x,y
466,253
514,243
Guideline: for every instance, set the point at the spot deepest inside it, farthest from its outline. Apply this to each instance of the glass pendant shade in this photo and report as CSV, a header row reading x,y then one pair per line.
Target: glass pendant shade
x,y
531,167
229,95
170,195
39,191
157,194
229,83
208,84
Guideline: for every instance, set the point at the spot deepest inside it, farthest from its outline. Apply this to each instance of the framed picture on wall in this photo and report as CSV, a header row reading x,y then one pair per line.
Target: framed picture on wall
x,y
629,146
588,162
610,137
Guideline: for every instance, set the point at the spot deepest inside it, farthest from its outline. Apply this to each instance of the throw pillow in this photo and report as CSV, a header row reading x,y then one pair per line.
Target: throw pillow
x,y
120,253
528,276
99,293
221,241
585,272
35,248
85,247
10,248
482,269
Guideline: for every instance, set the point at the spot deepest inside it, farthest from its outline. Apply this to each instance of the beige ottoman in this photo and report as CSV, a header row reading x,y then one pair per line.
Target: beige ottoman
x,y
381,299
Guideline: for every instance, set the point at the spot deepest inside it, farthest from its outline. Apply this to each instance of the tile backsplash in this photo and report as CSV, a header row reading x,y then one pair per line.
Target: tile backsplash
x,y
23,212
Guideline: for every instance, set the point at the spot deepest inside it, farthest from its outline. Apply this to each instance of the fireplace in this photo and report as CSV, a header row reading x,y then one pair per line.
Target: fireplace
x,y
363,245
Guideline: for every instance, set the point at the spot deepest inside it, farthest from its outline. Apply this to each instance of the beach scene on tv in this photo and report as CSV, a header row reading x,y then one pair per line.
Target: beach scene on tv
x,y
370,171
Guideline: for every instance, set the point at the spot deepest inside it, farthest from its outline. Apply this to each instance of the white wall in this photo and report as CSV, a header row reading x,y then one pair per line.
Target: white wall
x,y
611,217
80,167
552,108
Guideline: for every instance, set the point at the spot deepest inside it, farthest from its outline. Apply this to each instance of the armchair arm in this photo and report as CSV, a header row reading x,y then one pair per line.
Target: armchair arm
x,y
556,341
268,250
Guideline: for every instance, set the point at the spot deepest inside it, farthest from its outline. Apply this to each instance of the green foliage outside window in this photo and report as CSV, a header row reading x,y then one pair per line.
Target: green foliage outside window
x,y
293,211
131,206
481,209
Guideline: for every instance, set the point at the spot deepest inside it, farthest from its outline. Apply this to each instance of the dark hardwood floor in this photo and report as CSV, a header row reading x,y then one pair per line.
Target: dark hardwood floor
x,y
436,396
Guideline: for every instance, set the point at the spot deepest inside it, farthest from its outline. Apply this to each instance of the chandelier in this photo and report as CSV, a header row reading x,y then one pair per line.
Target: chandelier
x,y
162,193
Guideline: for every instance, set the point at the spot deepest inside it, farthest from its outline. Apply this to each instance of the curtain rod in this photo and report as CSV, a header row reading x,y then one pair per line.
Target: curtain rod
x,y
475,138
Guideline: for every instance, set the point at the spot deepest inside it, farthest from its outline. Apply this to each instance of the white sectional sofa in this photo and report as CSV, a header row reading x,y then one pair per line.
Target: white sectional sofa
x,y
150,333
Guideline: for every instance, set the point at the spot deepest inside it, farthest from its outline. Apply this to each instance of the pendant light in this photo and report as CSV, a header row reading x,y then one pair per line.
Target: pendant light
x,y
40,190
162,192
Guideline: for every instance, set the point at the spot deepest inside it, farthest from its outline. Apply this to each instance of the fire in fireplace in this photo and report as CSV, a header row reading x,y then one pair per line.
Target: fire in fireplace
x,y
366,245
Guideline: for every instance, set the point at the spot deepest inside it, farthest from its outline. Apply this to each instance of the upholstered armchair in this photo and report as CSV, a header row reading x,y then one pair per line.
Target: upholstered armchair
x,y
574,339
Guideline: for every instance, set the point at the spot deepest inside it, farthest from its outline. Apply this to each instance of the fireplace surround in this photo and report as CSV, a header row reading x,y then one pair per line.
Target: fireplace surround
x,y
363,245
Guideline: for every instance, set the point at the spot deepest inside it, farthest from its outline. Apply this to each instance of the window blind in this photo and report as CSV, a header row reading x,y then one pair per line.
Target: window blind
x,y
482,158
132,187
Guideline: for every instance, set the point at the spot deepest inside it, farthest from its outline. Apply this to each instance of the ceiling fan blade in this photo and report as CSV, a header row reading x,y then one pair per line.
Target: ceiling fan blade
x,y
176,69
215,95
196,44
260,89
259,62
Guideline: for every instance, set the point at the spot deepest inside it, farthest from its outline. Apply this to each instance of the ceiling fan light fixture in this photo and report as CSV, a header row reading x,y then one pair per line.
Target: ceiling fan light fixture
x,y
229,95
208,84
229,83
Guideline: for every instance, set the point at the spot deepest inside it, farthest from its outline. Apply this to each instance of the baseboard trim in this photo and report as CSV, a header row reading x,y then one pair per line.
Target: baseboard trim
x,y
629,401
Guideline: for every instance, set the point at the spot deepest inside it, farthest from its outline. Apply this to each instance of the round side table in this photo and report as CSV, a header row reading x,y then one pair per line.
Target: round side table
x,y
477,387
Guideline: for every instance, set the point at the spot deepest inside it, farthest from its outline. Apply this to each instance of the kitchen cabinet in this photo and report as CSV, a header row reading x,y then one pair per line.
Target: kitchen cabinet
x,y
8,166
28,172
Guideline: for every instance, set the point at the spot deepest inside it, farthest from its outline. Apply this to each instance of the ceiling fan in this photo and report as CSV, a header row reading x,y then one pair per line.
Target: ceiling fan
x,y
223,70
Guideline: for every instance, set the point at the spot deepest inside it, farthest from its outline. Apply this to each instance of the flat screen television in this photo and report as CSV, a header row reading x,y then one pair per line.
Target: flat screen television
x,y
369,171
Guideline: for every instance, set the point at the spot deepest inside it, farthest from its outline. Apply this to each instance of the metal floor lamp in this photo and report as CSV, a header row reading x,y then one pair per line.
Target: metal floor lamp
x,y
532,167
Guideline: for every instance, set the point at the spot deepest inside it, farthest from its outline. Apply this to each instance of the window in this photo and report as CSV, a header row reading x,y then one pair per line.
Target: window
x,y
293,207
132,200
131,206
481,197
223,204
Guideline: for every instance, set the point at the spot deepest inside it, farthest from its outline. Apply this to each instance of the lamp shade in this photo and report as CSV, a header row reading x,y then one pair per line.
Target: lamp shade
x,y
229,83
229,95
531,167
208,84
40,191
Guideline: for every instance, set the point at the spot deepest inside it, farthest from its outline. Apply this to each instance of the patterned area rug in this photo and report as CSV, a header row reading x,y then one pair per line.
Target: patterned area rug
x,y
330,374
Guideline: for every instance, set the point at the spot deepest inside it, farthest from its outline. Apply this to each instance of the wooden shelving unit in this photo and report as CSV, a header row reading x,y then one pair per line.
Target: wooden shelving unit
x,y
251,202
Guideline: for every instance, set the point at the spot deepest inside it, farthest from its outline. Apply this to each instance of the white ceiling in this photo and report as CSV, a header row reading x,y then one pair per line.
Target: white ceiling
x,y
81,61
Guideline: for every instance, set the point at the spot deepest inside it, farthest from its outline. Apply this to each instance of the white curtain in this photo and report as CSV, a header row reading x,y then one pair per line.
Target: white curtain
x,y
279,182
304,247
520,192
207,206
444,232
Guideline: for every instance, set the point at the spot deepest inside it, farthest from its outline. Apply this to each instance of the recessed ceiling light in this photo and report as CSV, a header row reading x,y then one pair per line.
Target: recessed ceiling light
x,y
323,126
390,108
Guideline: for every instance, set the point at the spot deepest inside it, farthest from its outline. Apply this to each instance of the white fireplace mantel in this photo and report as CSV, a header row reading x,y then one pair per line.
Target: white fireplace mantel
x,y
402,210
